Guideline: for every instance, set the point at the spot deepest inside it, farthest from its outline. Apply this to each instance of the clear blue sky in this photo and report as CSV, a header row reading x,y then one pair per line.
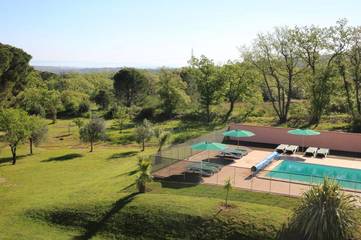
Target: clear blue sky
x,y
151,33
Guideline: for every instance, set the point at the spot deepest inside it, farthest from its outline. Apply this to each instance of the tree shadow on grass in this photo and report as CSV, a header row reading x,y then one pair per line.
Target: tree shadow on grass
x,y
89,221
94,227
10,159
130,173
123,155
64,135
65,157
180,181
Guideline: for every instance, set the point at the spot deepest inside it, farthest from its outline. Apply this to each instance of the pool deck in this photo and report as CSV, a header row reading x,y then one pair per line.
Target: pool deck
x,y
257,155
238,171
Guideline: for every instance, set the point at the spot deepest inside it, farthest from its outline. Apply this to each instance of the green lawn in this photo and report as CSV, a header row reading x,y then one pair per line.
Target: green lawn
x,y
65,192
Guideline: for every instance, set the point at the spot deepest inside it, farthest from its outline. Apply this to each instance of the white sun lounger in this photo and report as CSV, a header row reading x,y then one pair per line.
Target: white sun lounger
x,y
291,149
311,151
281,148
322,152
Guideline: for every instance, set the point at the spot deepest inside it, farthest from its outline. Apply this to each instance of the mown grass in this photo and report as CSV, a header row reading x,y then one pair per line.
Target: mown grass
x,y
62,191
65,192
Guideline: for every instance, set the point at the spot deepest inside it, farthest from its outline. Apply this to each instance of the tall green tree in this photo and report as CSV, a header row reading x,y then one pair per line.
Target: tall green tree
x,y
38,131
78,122
93,131
319,47
130,86
14,68
349,68
238,82
276,59
144,132
172,92
53,104
325,213
209,85
103,99
32,100
16,125
121,117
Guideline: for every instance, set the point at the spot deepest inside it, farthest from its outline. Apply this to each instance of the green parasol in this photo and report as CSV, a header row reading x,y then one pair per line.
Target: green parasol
x,y
303,133
209,146
238,134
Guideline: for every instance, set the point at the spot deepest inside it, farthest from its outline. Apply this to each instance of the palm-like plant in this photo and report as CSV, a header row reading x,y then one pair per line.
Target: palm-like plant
x,y
144,174
325,213
227,187
162,137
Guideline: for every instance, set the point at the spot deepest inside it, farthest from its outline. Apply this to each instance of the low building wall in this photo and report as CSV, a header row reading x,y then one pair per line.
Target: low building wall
x,y
335,141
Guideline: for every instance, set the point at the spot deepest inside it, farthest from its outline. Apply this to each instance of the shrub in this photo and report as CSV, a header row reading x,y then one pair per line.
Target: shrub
x,y
83,107
145,113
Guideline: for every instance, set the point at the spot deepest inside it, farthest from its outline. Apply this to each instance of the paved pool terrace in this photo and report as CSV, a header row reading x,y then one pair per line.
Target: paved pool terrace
x,y
238,171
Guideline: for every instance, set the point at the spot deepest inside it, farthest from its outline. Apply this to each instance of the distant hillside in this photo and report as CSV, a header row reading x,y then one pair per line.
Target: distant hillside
x,y
57,69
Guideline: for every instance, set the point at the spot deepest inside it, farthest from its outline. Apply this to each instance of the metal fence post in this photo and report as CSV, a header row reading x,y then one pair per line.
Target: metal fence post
x,y
252,183
289,184
234,176
270,184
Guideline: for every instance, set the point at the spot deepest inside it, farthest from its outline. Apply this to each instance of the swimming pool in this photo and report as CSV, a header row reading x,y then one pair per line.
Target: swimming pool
x,y
314,173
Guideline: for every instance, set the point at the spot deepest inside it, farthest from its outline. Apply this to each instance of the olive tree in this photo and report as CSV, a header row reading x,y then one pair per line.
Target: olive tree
x,y
93,131
16,125
53,104
143,133
38,131
121,117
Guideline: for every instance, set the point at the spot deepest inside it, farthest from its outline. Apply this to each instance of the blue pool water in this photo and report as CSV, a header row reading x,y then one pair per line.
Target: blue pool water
x,y
314,173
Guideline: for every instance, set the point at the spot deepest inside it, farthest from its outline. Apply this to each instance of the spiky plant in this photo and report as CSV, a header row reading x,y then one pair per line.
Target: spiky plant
x,y
162,137
144,174
325,213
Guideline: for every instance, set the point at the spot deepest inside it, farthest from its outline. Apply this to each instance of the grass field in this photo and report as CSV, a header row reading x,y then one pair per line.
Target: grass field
x,y
65,192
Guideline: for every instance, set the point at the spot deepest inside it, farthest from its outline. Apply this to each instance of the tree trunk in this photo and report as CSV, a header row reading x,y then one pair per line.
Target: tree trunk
x,y
143,145
54,116
208,112
13,151
315,119
31,146
282,119
141,188
91,146
228,114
